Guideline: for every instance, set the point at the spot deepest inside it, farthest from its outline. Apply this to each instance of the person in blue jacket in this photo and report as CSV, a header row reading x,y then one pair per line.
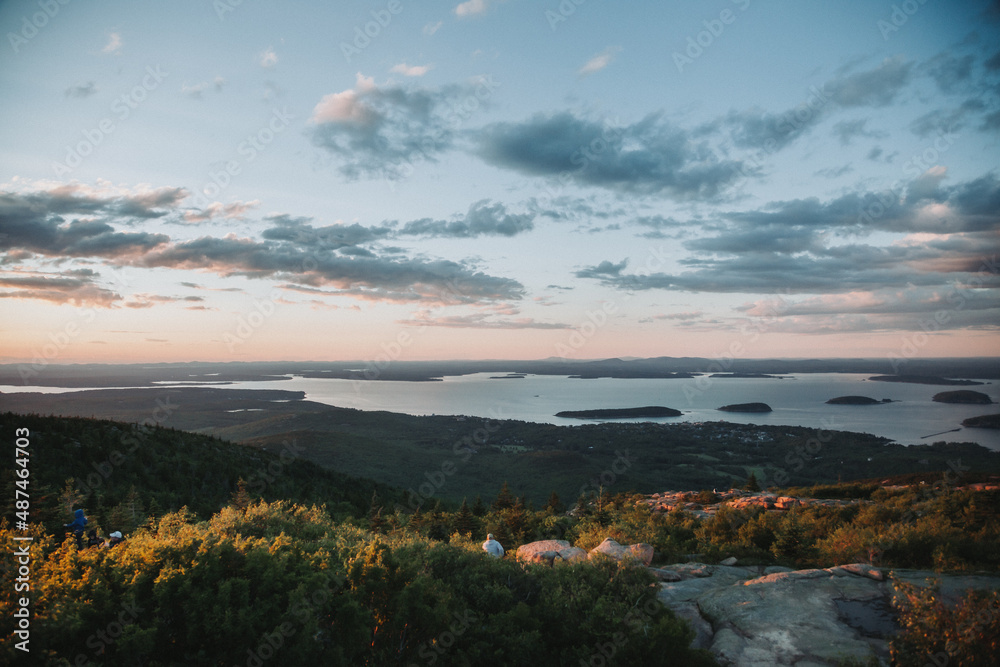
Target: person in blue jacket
x,y
77,525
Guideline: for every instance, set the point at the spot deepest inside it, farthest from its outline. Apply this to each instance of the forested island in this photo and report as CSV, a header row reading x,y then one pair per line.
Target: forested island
x,y
621,413
983,421
964,396
922,379
857,400
746,407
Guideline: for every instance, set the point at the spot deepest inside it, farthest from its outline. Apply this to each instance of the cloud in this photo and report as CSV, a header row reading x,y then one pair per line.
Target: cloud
x,y
650,156
410,70
377,131
372,278
948,71
35,222
232,211
83,90
600,61
830,172
484,218
471,8
757,128
848,130
195,91
268,58
880,310
432,28
75,221
477,321
71,288
948,234
114,45
683,317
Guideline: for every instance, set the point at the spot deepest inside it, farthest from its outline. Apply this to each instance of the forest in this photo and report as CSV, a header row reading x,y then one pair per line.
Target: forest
x,y
314,567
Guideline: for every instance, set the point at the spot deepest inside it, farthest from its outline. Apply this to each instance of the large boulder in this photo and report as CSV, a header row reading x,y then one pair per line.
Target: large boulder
x,y
641,553
785,617
548,551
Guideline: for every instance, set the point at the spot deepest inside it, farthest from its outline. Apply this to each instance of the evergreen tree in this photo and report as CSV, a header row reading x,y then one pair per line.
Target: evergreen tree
x,y
505,499
751,483
240,498
516,520
69,498
555,505
416,521
465,522
134,511
478,508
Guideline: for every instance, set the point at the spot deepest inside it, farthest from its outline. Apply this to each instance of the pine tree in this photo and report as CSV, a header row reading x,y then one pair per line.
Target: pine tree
x,y
240,498
555,505
134,510
505,499
416,521
516,520
751,483
478,508
465,523
69,498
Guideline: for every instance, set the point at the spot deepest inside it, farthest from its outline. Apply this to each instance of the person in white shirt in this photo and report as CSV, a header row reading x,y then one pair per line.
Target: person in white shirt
x,y
492,547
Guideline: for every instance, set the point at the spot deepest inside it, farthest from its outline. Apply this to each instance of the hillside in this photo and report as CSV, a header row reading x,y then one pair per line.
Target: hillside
x,y
455,457
124,470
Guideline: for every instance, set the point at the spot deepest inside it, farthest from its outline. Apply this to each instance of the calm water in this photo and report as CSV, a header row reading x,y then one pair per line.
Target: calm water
x,y
797,400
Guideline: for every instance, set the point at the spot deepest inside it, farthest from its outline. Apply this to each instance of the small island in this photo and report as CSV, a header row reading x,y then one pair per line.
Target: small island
x,y
983,421
752,376
746,407
962,396
621,413
857,400
509,376
922,379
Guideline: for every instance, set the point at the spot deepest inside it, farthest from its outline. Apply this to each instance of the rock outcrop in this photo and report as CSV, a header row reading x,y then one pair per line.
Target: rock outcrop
x,y
778,616
642,553
548,551
736,499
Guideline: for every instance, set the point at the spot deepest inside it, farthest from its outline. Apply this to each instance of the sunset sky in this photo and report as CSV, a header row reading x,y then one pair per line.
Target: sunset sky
x,y
521,179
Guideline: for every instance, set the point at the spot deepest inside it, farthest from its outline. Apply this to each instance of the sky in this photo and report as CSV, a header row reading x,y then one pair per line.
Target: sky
x,y
246,180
